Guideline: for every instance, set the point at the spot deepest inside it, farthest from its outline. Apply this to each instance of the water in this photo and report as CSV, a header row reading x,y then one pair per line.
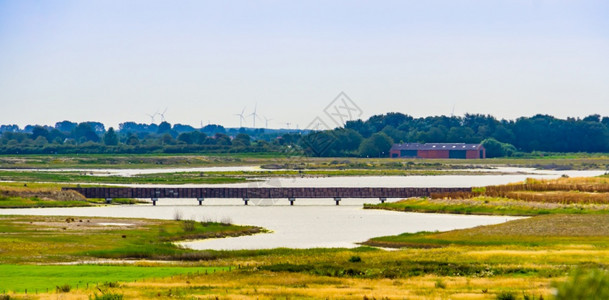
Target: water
x,y
299,226
503,176
313,222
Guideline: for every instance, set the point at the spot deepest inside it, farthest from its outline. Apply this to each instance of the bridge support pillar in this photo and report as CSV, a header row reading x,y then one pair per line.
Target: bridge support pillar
x,y
383,199
337,200
246,200
200,201
154,200
291,199
108,200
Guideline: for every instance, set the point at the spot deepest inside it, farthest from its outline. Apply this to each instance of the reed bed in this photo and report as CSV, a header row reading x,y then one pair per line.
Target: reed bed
x,y
564,191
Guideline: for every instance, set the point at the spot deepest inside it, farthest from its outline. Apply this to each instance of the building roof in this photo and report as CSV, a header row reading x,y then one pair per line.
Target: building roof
x,y
436,146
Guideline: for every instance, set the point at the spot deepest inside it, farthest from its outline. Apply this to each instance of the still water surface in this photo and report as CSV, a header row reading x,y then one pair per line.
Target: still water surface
x,y
307,226
312,222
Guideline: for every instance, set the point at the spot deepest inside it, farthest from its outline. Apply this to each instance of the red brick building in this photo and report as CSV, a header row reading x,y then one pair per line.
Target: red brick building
x,y
438,150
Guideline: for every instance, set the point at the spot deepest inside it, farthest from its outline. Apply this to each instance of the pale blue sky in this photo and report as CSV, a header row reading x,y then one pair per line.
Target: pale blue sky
x,y
114,61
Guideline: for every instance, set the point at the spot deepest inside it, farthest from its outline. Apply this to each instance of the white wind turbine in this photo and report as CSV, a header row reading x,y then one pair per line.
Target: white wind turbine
x,y
163,115
254,116
241,117
152,116
266,122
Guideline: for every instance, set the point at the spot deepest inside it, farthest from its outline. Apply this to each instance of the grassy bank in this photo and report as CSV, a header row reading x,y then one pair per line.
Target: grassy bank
x,y
82,177
31,195
33,239
488,206
542,231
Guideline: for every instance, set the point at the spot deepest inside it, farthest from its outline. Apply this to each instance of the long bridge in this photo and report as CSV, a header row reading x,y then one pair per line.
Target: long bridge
x,y
247,193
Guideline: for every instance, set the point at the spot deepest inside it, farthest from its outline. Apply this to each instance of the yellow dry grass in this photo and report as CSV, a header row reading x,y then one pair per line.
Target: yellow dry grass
x,y
264,285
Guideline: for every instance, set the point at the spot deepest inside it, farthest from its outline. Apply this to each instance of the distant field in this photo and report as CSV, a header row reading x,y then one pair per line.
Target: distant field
x,y
544,161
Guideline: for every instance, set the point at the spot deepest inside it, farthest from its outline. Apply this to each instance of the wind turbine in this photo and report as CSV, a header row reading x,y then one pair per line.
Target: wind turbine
x,y
163,115
254,115
241,117
152,116
266,122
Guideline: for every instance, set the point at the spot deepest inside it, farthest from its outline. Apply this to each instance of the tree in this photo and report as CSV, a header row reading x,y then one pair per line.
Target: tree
x,y
133,140
110,138
495,148
460,135
164,127
84,133
65,126
222,139
40,131
376,145
242,139
167,139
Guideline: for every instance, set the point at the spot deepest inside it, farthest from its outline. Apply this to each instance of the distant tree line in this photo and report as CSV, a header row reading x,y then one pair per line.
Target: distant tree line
x,y
370,138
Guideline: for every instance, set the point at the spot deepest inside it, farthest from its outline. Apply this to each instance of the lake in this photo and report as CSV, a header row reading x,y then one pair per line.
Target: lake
x,y
313,223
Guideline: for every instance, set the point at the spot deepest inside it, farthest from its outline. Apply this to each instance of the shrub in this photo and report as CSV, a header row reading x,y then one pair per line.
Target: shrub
x,y
440,284
63,288
355,259
506,296
111,284
188,225
107,296
584,284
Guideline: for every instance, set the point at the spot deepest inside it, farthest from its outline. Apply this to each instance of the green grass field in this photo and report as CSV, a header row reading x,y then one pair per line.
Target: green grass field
x,y
18,278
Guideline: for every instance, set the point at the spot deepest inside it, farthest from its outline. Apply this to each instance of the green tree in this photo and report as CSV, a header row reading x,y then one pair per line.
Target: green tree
x,y
376,145
133,140
164,127
111,138
495,148
84,133
242,139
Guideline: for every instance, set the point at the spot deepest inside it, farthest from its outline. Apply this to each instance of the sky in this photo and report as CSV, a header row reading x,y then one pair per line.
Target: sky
x,y
204,62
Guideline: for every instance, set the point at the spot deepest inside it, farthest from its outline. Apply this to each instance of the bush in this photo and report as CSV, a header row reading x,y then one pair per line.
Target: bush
x,y
355,258
111,284
584,284
506,296
107,296
440,284
63,288
495,148
188,225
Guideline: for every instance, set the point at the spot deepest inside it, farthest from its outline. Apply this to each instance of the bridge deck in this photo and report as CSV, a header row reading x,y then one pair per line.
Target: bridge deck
x,y
264,193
